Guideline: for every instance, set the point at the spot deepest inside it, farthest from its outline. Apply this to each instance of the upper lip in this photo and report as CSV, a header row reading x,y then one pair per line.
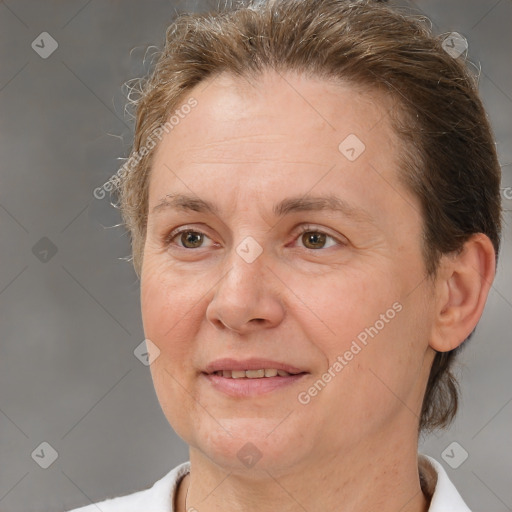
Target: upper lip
x,y
228,363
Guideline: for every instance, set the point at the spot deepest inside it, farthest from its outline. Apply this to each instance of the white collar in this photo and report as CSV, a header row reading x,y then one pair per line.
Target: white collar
x,y
444,495
160,497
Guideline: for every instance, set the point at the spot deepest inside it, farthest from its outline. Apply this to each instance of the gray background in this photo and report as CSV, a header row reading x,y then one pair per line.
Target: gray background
x,y
69,325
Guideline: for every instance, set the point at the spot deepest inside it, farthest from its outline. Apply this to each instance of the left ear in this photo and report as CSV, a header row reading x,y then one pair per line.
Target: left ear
x,y
462,286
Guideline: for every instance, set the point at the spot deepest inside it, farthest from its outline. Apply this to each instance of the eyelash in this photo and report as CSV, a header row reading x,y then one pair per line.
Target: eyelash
x,y
167,239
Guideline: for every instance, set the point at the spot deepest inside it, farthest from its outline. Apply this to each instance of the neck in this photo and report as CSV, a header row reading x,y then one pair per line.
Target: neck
x,y
364,478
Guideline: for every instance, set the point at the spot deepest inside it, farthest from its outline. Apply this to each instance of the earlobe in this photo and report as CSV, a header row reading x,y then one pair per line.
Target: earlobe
x,y
462,287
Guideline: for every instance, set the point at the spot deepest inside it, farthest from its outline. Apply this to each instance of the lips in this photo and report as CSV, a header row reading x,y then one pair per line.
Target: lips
x,y
253,368
251,377
252,374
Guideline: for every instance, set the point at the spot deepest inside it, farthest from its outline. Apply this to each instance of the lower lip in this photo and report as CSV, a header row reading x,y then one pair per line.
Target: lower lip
x,y
250,387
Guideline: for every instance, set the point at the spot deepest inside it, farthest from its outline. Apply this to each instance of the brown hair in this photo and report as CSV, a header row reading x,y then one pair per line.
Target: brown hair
x,y
449,158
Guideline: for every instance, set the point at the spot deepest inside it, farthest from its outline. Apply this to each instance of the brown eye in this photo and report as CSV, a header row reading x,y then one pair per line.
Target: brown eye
x,y
314,238
194,238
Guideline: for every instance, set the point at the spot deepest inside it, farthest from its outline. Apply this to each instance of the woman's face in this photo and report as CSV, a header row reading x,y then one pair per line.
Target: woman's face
x,y
345,302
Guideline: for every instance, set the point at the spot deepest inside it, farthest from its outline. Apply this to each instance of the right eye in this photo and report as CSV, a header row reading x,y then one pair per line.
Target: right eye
x,y
190,238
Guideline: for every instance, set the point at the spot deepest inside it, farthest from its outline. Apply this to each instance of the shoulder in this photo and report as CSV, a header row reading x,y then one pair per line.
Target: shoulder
x,y
160,496
436,483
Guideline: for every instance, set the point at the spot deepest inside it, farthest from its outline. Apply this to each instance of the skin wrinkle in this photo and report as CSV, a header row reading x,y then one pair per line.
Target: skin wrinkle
x,y
209,318
328,204
259,160
236,144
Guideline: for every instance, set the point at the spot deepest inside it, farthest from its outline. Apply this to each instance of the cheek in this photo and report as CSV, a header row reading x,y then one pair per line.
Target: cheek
x,y
167,307
167,300
382,378
335,308
361,322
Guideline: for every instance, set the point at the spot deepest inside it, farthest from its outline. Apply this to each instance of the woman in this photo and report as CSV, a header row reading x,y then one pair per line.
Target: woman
x,y
313,199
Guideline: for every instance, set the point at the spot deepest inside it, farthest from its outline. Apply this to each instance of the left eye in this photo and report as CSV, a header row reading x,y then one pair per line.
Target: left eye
x,y
315,238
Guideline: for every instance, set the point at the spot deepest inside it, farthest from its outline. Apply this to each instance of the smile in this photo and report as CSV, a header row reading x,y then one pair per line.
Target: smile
x,y
250,383
252,374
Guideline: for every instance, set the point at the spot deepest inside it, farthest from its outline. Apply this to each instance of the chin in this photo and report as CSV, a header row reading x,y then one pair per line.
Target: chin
x,y
250,445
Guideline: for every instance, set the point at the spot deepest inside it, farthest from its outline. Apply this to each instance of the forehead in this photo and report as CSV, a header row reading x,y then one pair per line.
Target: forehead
x,y
282,130
288,109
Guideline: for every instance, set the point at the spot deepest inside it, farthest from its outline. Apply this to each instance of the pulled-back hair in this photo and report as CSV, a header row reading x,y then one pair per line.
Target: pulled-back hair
x,y
448,159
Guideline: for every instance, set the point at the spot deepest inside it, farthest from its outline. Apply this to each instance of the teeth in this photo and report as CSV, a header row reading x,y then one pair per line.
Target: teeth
x,y
252,374
255,374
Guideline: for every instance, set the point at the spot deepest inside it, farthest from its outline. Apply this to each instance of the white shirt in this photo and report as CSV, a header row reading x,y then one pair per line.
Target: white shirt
x,y
160,497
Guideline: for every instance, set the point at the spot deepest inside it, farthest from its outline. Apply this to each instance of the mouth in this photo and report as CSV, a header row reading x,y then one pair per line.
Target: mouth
x,y
250,377
253,374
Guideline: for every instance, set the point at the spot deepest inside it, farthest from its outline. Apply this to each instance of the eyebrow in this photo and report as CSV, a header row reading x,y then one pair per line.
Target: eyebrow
x,y
329,202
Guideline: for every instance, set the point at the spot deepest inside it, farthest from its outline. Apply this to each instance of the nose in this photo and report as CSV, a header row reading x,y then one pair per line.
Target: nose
x,y
247,297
